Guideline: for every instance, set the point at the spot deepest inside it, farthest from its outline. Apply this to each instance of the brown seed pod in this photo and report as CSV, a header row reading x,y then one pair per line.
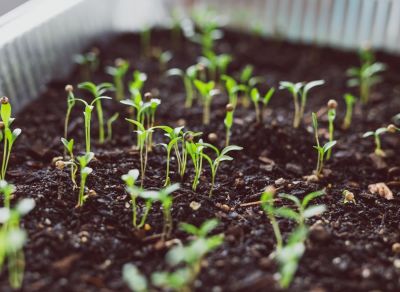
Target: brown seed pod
x,y
1,125
148,96
4,100
332,104
212,137
119,62
270,189
60,164
189,137
96,51
229,107
69,88
391,128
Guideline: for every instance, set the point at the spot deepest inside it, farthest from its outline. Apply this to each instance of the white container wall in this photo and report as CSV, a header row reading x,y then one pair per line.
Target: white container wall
x,y
39,38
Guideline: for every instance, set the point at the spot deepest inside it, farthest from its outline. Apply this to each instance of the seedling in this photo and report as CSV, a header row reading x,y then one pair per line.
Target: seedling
x,y
175,136
137,83
130,180
348,197
163,58
98,94
118,72
267,203
290,254
207,22
145,41
216,64
248,81
6,190
164,196
187,261
13,239
88,62
207,91
143,139
367,75
228,122
69,147
110,122
256,98
299,91
88,118
350,101
376,134
332,105
195,150
6,134
70,104
85,171
188,78
321,150
233,88
220,157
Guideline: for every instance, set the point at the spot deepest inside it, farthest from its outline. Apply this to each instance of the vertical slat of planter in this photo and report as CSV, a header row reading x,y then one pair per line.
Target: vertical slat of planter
x,y
324,20
310,21
367,20
295,20
381,22
351,25
270,15
393,30
336,26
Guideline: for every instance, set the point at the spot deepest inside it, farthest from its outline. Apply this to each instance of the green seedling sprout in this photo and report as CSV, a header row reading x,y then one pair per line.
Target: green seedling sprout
x,y
130,180
188,76
267,203
299,91
376,134
290,254
228,122
118,73
220,157
207,22
6,190
6,134
350,100
70,104
143,139
232,89
195,150
13,239
367,75
69,147
207,91
85,171
175,136
256,98
321,150
216,64
88,118
163,58
88,63
145,41
98,94
332,105
348,197
185,260
137,83
190,256
110,122
164,196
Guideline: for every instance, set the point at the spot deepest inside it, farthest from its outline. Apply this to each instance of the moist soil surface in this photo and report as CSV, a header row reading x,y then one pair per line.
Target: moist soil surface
x,y
84,249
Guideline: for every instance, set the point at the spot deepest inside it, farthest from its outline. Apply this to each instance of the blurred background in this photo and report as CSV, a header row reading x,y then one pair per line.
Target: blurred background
x,y
7,5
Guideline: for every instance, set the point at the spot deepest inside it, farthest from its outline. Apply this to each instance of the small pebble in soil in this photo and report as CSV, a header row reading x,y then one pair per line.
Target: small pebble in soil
x,y
280,181
195,205
318,232
212,137
396,263
396,248
366,273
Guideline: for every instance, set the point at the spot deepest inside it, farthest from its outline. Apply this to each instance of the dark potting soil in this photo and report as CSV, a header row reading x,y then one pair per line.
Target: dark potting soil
x,y
84,249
